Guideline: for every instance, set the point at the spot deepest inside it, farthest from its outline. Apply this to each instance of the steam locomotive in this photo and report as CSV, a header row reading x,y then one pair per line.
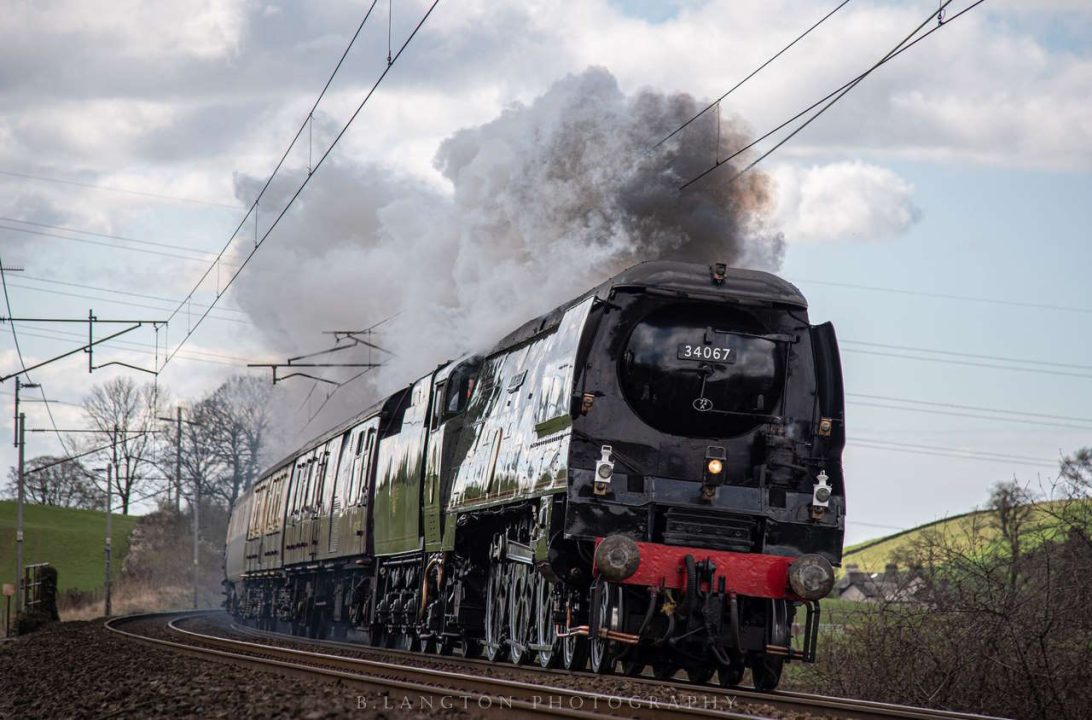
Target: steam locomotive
x,y
647,476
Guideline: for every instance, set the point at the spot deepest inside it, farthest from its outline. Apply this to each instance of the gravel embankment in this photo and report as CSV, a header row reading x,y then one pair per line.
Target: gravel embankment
x,y
79,670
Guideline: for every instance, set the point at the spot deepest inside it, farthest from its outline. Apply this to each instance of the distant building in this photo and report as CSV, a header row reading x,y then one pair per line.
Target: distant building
x,y
891,585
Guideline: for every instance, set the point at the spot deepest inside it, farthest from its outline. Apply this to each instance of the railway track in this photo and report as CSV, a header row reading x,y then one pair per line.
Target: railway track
x,y
812,704
420,687
457,685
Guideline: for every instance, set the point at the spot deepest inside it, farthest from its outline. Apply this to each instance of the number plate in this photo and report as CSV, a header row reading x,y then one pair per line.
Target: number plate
x,y
706,353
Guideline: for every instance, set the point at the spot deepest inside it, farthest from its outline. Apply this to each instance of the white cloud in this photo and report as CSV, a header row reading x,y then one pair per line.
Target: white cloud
x,y
138,30
842,202
983,89
93,127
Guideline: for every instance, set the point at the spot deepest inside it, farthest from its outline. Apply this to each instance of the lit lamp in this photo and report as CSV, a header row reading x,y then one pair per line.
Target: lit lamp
x,y
713,477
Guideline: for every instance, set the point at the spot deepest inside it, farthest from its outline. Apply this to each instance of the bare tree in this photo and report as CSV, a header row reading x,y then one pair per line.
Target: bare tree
x,y
201,464
63,484
1012,508
1077,472
124,412
1073,496
238,416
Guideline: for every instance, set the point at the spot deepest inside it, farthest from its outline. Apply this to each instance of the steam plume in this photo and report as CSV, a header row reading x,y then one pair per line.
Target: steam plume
x,y
545,201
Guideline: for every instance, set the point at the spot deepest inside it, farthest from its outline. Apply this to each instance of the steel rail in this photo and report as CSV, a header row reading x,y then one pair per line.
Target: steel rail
x,y
822,705
513,698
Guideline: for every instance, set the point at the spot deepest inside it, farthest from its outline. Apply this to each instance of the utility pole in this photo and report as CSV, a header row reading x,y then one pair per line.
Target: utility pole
x,y
195,497
109,534
19,385
196,506
20,421
178,462
114,456
20,439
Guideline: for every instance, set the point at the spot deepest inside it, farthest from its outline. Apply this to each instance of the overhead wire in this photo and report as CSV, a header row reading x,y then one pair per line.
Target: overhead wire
x,y
22,362
951,413
114,291
252,209
339,386
966,363
170,246
305,182
947,296
880,443
909,451
94,186
83,454
330,396
976,356
100,243
853,521
1021,413
32,400
833,97
750,75
125,303
189,357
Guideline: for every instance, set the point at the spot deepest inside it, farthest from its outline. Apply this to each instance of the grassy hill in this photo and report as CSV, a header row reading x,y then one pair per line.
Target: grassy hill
x,y
71,540
872,555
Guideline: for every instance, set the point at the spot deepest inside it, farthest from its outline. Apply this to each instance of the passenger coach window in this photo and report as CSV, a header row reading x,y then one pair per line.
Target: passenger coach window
x,y
362,470
309,473
256,513
269,504
319,474
299,490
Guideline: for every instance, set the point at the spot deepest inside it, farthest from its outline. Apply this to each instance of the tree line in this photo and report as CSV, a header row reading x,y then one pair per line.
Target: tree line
x,y
218,448
999,621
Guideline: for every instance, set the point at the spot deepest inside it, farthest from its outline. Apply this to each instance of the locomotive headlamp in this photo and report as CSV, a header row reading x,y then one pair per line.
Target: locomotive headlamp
x,y
820,495
617,558
811,576
714,472
604,470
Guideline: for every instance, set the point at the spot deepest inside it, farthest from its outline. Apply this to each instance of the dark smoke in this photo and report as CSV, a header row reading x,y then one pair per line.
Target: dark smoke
x,y
545,201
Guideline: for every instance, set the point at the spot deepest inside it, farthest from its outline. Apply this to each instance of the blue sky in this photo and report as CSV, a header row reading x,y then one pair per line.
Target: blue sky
x,y
1016,235
963,168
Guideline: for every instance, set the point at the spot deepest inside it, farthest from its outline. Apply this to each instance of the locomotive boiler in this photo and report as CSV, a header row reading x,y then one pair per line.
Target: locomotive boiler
x,y
648,476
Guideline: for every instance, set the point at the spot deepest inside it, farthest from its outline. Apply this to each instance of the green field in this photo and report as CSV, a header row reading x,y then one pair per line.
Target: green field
x,y
872,555
68,539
